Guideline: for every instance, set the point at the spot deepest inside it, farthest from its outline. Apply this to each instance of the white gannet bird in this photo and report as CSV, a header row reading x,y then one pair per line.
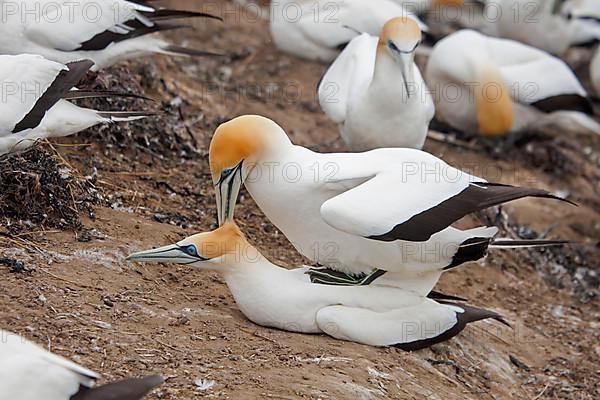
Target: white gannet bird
x,y
272,296
387,209
494,86
539,23
105,31
375,92
35,103
318,30
28,372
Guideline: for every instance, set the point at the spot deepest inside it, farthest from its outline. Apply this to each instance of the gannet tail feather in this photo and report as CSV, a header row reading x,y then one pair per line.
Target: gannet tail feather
x,y
122,116
92,94
127,389
507,244
186,51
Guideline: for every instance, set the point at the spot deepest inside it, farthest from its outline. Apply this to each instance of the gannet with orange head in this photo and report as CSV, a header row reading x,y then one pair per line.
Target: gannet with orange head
x,y
355,212
496,86
286,299
29,372
375,92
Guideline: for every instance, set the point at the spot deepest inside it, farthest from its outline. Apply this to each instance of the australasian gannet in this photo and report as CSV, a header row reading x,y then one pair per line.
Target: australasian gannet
x,y
105,31
286,299
35,104
318,30
353,212
28,372
375,92
494,86
540,23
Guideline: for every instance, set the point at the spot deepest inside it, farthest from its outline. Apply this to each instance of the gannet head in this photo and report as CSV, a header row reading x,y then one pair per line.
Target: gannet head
x,y
225,247
399,39
235,149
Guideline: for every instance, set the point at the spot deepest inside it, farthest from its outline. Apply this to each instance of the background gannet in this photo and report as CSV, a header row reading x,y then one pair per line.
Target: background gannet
x,y
375,92
114,31
540,24
493,86
318,30
285,299
35,101
28,372
386,208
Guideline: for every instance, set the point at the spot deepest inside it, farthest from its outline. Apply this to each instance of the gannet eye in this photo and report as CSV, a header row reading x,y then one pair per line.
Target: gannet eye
x,y
226,172
393,47
191,250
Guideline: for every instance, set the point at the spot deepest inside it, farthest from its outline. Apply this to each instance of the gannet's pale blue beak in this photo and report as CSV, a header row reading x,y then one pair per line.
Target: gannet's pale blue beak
x,y
174,254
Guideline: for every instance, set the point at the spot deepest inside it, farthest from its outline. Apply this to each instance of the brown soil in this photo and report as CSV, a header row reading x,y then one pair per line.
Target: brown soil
x,y
71,290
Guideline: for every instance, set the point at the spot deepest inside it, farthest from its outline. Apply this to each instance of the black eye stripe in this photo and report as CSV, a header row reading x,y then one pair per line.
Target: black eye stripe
x,y
392,46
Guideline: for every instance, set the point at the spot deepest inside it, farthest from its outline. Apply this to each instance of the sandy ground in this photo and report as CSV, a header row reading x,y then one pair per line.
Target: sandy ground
x,y
152,187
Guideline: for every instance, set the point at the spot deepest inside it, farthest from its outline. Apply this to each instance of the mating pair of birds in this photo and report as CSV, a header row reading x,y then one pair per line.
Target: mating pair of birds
x,y
48,47
387,217
475,83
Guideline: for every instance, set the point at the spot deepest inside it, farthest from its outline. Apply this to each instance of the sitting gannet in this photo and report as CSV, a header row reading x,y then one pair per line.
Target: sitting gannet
x,y
105,31
495,86
540,23
272,296
28,372
318,30
35,101
375,92
389,209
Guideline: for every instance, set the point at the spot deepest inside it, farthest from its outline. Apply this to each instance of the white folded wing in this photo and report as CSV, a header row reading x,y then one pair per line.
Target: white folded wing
x,y
409,182
24,80
350,73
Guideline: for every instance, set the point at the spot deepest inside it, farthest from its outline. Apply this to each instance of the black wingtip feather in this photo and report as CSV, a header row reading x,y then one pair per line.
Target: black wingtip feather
x,y
91,94
190,52
127,389
435,295
165,14
61,85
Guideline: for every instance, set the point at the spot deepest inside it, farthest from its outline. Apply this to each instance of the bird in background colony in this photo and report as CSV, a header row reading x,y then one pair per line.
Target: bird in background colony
x,y
28,372
539,23
286,299
495,86
116,30
318,30
580,9
386,209
35,104
375,92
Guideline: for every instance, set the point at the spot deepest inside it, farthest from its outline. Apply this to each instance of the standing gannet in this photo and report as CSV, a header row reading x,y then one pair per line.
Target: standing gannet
x,y
539,23
495,86
28,372
318,30
375,92
35,94
389,209
272,296
105,31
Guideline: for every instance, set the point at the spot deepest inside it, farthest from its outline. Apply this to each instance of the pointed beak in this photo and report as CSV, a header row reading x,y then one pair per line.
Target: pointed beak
x,y
227,190
173,254
403,68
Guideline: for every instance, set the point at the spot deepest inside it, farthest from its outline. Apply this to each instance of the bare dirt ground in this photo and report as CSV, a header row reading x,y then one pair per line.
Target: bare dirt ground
x,y
66,285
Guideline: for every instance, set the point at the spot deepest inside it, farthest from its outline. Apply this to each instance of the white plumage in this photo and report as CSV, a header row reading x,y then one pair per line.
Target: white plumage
x,y
375,91
104,31
272,296
34,104
493,86
28,372
317,30
540,24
